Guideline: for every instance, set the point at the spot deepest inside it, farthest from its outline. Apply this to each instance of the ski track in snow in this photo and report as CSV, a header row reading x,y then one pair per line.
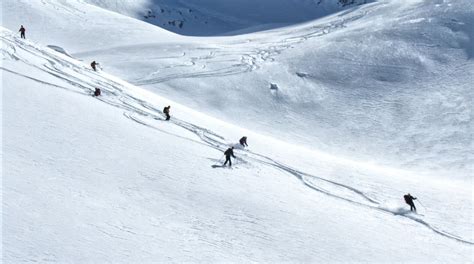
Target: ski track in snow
x,y
245,60
144,113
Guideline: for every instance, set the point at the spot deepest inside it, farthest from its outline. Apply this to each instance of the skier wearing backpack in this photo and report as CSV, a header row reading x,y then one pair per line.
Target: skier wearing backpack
x,y
409,200
94,65
228,153
97,92
22,32
166,111
243,142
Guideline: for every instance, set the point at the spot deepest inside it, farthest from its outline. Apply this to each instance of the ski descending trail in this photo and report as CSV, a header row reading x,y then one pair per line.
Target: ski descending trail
x,y
242,58
119,94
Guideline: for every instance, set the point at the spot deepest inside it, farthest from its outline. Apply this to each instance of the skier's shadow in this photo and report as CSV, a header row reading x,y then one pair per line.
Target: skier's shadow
x,y
217,163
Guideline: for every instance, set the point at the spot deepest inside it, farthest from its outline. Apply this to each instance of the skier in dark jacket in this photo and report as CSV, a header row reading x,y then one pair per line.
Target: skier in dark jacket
x,y
94,65
228,153
22,32
97,92
166,111
243,142
409,200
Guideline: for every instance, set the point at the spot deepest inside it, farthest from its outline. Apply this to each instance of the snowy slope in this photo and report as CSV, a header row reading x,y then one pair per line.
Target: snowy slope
x,y
215,17
372,102
385,83
106,180
77,25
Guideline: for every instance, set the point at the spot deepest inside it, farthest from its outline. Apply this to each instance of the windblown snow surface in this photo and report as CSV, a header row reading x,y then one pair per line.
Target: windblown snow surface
x,y
215,17
367,104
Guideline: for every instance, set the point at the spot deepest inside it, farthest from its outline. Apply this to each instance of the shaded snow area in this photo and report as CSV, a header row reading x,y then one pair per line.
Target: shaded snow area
x,y
344,115
216,17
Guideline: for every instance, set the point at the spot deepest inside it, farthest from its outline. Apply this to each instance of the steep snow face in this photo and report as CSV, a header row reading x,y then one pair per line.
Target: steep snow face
x,y
215,17
108,180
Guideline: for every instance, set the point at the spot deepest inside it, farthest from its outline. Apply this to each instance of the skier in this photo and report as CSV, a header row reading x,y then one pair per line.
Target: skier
x,y
409,200
166,111
97,92
228,153
93,65
243,142
22,32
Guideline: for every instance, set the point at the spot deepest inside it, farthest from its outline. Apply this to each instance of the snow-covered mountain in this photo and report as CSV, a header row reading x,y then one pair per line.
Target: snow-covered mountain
x,y
215,17
344,115
373,83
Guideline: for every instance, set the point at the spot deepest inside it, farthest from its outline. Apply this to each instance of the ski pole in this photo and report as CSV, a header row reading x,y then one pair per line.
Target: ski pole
x,y
420,203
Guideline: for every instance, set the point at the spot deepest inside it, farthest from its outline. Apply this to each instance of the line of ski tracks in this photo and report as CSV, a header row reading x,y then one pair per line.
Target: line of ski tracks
x,y
144,113
247,57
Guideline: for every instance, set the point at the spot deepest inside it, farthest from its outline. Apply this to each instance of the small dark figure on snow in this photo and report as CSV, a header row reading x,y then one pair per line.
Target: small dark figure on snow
x,y
228,153
243,142
409,200
166,111
22,32
94,65
97,92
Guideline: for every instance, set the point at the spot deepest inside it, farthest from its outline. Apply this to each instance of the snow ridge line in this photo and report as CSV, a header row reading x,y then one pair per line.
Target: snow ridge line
x,y
116,95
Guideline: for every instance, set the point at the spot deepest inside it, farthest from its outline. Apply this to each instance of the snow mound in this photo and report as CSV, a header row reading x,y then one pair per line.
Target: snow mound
x,y
59,49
